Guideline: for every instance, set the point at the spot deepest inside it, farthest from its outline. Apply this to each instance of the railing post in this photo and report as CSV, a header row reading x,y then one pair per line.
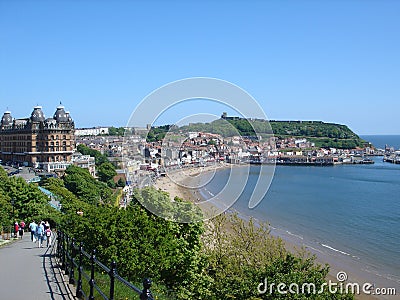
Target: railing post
x,y
71,263
112,279
66,255
79,293
146,293
58,244
62,251
91,282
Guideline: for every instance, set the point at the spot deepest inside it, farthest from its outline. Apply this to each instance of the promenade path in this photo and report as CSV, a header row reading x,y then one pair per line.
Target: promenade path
x,y
29,272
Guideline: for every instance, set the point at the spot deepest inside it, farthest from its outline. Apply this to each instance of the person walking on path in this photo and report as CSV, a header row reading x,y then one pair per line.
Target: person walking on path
x,y
46,225
16,229
32,228
21,229
40,234
48,236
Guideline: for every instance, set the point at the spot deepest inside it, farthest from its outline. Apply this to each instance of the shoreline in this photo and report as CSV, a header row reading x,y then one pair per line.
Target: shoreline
x,y
292,242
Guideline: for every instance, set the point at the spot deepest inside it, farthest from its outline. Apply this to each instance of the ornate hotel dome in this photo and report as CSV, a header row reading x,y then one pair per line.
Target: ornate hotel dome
x,y
68,116
37,114
6,119
60,115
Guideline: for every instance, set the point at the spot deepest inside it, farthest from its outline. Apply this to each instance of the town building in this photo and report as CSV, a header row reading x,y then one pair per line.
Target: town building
x,y
84,161
36,141
91,131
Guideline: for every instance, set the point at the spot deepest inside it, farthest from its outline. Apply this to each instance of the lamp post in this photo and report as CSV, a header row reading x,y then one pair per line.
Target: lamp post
x,y
12,204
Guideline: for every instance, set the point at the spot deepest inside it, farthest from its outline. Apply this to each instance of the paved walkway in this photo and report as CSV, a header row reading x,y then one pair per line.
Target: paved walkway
x,y
29,272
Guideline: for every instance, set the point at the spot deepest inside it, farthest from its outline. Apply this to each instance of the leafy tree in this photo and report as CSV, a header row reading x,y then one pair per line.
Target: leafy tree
x,y
111,184
29,201
157,133
106,171
121,183
82,184
241,255
99,158
5,209
120,131
143,244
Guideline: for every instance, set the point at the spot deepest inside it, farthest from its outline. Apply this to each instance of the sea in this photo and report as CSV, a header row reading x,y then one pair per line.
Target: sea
x,y
347,215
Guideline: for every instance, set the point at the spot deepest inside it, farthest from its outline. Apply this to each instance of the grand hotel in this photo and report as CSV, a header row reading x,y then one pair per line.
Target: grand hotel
x,y
37,141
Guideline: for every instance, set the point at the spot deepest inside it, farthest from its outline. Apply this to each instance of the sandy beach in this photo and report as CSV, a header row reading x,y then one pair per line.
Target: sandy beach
x,y
184,183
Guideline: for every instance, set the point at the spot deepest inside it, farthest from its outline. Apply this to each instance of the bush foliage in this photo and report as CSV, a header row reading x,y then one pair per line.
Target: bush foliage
x,y
29,202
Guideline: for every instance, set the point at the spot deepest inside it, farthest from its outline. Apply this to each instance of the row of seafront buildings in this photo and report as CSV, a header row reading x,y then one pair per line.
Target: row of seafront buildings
x,y
40,142
391,155
200,148
49,143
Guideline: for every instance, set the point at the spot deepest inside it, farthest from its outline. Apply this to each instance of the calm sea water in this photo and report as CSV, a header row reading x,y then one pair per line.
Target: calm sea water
x,y
380,141
351,213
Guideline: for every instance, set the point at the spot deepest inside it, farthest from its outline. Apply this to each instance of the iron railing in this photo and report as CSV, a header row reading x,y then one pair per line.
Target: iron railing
x,y
71,258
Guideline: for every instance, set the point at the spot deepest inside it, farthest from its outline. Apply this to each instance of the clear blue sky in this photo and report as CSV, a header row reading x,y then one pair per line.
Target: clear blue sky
x,y
335,61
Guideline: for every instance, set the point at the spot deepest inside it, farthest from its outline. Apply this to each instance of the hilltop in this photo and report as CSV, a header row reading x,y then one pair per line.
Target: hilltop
x,y
320,133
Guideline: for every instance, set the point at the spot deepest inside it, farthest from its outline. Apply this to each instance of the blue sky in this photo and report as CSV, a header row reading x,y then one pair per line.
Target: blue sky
x,y
335,61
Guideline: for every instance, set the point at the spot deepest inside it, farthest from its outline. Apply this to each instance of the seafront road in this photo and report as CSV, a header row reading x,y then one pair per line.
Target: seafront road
x,y
29,272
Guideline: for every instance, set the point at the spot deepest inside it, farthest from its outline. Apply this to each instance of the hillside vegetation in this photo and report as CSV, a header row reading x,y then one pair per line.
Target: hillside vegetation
x,y
320,133
29,202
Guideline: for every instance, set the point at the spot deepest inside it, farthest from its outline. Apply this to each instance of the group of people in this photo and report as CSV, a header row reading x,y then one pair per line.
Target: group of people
x,y
40,232
19,229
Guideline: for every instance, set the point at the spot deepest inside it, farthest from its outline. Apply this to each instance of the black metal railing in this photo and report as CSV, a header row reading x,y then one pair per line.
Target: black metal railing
x,y
71,258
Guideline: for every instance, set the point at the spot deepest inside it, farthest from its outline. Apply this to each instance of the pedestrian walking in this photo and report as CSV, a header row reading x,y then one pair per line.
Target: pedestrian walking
x,y
21,229
16,229
32,228
40,234
48,236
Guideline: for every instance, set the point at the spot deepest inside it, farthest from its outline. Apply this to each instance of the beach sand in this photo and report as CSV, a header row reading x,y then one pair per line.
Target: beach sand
x,y
184,183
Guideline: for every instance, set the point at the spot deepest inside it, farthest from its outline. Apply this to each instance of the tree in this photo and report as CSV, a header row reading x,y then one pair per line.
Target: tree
x,y
82,184
241,255
121,183
106,172
120,131
5,209
99,158
30,202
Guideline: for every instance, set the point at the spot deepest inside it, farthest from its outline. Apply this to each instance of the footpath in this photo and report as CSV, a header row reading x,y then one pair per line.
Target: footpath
x,y
29,272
